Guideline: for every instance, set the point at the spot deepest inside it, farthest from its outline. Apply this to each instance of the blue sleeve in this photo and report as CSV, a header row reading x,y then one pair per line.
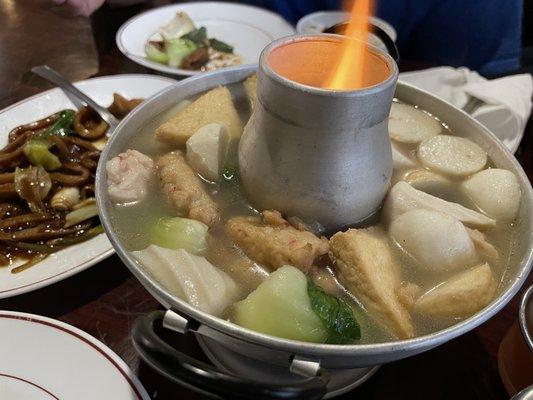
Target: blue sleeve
x,y
293,10
483,35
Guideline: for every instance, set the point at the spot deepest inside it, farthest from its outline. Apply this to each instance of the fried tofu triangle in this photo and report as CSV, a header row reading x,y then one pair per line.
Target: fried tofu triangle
x,y
272,241
183,188
364,264
214,106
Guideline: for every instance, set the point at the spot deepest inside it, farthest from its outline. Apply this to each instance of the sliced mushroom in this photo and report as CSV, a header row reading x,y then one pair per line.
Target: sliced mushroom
x,y
65,198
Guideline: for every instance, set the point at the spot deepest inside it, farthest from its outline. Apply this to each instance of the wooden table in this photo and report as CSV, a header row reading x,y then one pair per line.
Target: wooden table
x,y
105,299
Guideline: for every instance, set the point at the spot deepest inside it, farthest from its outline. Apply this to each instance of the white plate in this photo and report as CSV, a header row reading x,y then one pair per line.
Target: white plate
x,y
45,359
318,21
248,29
75,258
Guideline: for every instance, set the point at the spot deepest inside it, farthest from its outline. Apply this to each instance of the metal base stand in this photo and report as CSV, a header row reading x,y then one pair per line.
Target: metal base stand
x,y
342,380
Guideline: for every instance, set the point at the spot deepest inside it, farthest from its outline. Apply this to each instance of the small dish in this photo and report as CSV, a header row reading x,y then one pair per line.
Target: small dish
x,y
248,29
45,359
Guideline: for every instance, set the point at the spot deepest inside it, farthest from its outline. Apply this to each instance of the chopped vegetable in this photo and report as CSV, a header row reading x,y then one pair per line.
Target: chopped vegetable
x,y
178,49
30,263
280,306
85,211
197,36
37,151
180,25
336,315
63,126
33,184
219,45
70,240
189,277
155,51
180,233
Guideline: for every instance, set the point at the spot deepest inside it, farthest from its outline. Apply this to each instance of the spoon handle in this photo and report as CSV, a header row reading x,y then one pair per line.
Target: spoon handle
x,y
45,72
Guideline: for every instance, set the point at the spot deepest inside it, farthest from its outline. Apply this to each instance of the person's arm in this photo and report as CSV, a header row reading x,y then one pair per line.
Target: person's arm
x,y
81,7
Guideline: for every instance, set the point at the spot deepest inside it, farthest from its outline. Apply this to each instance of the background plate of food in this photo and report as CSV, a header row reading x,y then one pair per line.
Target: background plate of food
x,y
186,39
49,229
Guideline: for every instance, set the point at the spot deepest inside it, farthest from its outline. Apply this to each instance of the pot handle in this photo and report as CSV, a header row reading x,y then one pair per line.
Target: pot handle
x,y
188,371
376,30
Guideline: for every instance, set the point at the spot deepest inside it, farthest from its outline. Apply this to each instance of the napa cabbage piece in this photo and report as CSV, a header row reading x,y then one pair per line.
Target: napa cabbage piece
x,y
189,277
280,306
155,51
180,233
179,26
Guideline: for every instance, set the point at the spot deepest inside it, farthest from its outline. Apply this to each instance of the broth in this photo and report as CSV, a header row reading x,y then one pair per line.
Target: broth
x,y
130,223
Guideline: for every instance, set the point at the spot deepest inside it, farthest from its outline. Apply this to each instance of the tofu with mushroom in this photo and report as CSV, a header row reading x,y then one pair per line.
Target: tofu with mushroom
x,y
273,242
185,190
214,106
365,266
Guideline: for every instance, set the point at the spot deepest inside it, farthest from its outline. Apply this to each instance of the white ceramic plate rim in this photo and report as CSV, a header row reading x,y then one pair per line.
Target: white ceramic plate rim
x,y
29,287
177,71
84,337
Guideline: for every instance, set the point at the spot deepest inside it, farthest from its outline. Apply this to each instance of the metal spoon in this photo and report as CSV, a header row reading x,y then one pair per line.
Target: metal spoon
x,y
51,75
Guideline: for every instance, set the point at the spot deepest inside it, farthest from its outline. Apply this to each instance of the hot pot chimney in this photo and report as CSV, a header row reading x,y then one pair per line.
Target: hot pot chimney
x,y
321,154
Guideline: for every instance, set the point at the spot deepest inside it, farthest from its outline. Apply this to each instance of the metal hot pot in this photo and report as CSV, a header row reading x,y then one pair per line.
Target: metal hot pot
x,y
251,364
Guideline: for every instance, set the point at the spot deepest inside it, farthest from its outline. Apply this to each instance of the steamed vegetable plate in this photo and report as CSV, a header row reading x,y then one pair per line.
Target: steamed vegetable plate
x,y
47,184
434,255
180,44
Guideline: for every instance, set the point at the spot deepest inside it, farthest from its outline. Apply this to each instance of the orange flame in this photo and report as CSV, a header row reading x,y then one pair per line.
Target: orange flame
x,y
348,72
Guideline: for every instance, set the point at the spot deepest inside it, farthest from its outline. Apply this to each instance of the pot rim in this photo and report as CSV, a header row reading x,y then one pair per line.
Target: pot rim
x,y
238,332
328,37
